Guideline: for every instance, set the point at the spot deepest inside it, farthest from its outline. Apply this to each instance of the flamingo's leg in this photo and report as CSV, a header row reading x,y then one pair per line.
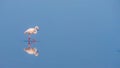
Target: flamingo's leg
x,y
29,38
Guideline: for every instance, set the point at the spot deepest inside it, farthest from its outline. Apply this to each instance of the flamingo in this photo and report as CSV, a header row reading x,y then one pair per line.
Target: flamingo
x,y
29,49
32,51
30,31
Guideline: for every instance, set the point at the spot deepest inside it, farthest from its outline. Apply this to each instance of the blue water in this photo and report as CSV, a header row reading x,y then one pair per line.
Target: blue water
x,y
73,33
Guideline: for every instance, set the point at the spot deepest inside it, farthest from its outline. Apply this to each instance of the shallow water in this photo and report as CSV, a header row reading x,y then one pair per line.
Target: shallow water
x,y
73,33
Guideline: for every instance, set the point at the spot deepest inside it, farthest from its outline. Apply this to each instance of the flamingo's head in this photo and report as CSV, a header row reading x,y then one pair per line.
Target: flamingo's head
x,y
36,54
37,28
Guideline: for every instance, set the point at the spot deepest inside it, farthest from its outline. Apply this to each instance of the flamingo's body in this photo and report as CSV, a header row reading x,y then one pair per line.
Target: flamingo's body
x,y
32,51
32,30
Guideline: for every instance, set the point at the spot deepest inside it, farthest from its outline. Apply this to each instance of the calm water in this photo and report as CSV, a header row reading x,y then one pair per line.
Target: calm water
x,y
73,33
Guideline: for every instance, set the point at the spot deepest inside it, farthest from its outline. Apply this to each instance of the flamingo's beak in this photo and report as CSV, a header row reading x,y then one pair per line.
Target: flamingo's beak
x,y
37,29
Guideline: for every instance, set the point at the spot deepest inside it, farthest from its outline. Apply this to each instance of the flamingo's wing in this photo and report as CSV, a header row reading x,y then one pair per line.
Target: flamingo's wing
x,y
29,31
